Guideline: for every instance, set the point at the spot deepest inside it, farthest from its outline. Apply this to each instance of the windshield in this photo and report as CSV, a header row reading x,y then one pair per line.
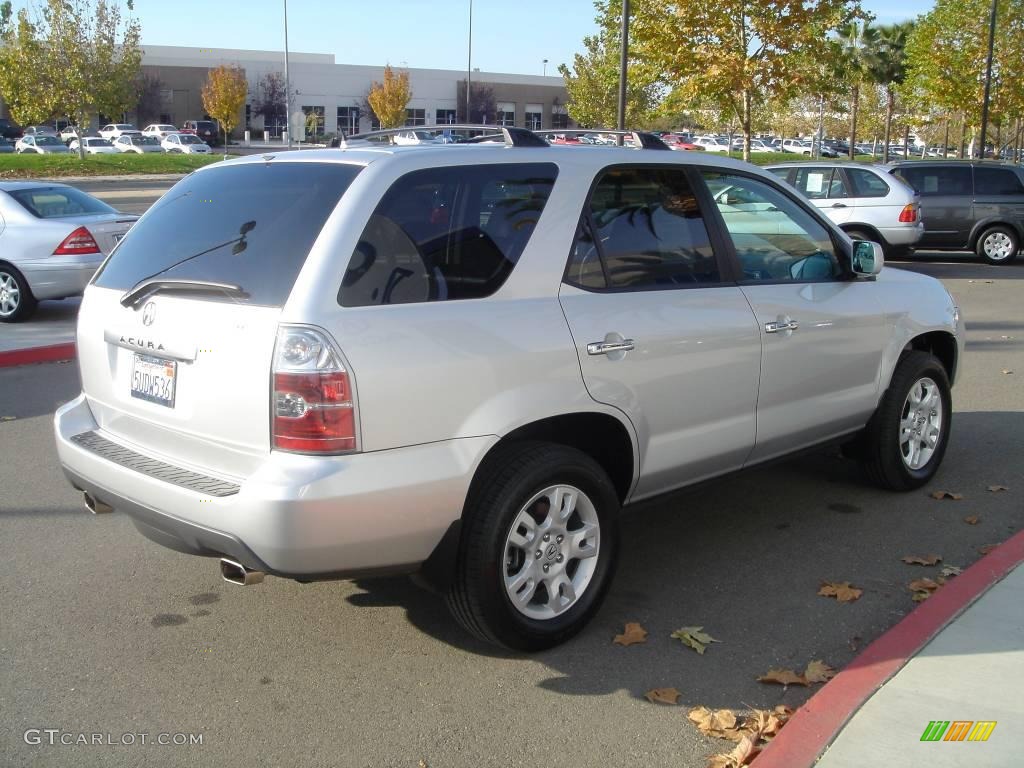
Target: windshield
x,y
190,139
47,141
56,202
148,141
98,143
125,127
256,234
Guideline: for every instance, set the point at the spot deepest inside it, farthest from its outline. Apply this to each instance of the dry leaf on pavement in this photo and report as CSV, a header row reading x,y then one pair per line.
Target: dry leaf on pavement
x,y
633,633
663,695
997,488
925,584
987,548
940,495
951,570
720,723
8,418
695,638
843,592
783,677
818,672
918,560
971,520
744,752
1007,371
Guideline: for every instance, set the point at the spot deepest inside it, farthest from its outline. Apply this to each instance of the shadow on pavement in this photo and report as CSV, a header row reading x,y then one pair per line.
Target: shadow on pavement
x,y
957,266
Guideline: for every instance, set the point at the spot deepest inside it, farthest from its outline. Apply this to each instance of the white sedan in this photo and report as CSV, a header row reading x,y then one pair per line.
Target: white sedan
x,y
184,143
113,130
54,238
138,144
712,144
40,145
161,130
94,146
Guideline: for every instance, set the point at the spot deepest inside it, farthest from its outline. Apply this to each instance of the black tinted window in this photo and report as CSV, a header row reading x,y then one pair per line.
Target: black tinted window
x,y
279,206
866,184
996,181
931,181
650,231
55,202
449,233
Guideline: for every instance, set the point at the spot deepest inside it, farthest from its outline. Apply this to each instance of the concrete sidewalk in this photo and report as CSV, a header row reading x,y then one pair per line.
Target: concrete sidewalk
x,y
52,323
958,659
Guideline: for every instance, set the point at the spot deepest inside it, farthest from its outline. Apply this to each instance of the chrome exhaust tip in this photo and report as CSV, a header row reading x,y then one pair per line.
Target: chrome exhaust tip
x,y
94,505
236,573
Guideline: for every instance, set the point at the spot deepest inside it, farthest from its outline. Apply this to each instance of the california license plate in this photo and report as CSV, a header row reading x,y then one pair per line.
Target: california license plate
x,y
153,379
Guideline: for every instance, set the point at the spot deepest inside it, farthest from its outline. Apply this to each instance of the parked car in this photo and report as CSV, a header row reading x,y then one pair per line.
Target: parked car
x,y
760,147
183,143
344,291
712,144
41,144
975,206
865,201
113,130
94,145
38,130
417,137
140,144
6,147
9,130
204,129
53,239
796,146
675,141
160,130
69,134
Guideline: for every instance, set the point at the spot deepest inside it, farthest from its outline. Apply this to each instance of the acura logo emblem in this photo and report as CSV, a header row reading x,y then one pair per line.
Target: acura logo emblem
x,y
148,313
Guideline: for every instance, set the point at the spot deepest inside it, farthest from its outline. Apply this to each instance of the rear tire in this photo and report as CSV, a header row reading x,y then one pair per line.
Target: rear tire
x,y
903,444
503,591
863,234
17,303
998,245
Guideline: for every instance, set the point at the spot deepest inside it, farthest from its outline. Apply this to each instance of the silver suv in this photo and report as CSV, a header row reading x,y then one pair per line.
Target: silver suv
x,y
464,360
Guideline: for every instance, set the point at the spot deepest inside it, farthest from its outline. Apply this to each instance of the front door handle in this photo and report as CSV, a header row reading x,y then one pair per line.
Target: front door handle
x,y
607,347
838,205
781,326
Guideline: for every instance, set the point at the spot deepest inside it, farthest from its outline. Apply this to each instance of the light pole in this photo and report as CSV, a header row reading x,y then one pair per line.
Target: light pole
x,y
287,82
469,62
623,64
988,73
545,62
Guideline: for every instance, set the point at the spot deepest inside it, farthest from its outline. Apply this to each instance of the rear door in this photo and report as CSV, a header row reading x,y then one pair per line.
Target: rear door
x,y
947,202
661,331
186,374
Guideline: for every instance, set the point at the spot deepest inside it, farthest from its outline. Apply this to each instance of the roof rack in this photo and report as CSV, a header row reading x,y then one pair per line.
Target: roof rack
x,y
642,139
512,137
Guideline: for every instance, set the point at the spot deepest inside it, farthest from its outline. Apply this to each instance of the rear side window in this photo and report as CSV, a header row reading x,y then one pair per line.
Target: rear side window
x,y
996,181
249,225
55,202
643,229
443,234
866,184
814,182
931,181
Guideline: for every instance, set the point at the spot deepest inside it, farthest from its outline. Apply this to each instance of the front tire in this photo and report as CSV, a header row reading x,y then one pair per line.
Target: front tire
x,y
998,245
538,547
16,300
905,440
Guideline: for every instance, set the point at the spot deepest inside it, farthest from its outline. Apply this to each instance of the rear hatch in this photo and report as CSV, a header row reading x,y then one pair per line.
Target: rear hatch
x,y
107,229
181,370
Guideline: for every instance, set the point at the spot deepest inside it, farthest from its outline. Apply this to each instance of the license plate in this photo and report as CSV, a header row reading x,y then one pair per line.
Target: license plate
x,y
118,237
153,379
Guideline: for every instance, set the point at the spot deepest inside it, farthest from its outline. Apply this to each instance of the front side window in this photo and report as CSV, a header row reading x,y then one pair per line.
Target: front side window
x,y
996,181
443,234
643,229
776,240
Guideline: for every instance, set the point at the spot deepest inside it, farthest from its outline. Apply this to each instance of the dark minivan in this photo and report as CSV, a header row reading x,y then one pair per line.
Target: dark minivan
x,y
976,206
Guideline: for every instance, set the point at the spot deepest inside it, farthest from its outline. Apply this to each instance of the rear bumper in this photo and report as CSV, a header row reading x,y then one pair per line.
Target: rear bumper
x,y
59,276
296,516
902,236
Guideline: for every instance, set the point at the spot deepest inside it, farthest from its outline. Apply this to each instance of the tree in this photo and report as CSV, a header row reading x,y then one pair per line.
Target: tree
x,y
224,96
742,51
150,89
388,99
856,41
887,66
593,81
483,107
270,99
72,58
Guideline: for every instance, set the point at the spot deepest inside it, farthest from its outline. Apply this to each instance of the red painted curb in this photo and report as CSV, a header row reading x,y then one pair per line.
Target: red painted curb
x,y
816,724
48,354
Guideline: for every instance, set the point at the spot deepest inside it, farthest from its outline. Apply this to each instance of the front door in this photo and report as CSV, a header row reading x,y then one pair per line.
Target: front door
x,y
661,334
822,331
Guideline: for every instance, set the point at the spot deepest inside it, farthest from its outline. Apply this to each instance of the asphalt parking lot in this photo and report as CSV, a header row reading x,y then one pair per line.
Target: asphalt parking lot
x,y
103,632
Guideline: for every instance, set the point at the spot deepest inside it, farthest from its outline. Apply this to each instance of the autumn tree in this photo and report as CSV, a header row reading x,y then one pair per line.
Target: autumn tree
x,y
593,81
69,57
150,89
388,99
270,99
742,51
483,106
224,97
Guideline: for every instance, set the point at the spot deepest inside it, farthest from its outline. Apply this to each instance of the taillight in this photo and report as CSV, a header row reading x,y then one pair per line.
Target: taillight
x,y
312,403
78,242
909,213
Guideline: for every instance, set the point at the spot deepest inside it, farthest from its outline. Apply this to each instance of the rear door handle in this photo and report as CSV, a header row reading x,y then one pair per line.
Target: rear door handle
x,y
785,325
607,347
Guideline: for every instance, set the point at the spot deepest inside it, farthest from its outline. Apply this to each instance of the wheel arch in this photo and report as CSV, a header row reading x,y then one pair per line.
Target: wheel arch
x,y
942,345
849,226
994,221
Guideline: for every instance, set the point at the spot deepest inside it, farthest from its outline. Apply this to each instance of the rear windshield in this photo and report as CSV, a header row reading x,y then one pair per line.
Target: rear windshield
x,y
56,202
249,225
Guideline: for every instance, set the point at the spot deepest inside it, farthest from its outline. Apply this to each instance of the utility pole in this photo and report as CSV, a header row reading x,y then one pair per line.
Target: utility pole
x,y
623,65
545,67
469,62
988,73
287,82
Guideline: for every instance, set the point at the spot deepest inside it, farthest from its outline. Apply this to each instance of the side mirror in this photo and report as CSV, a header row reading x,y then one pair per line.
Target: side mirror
x,y
868,258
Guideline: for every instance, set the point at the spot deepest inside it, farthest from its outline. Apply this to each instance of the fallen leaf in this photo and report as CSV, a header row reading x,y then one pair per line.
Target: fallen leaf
x,y
844,592
423,764
632,633
940,495
663,695
695,638
8,418
951,570
765,724
720,723
991,488
971,519
854,642
818,672
783,711
744,752
1007,372
923,585
987,548
917,597
919,560
783,677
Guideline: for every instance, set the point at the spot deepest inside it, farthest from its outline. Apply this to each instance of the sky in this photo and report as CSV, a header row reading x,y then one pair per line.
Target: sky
x,y
512,36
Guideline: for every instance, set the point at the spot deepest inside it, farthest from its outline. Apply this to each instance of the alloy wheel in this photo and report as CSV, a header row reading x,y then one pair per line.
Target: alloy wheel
x,y
998,246
10,294
920,423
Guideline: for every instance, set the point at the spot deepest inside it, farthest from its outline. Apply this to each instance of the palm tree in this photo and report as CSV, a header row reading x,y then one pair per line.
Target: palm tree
x,y
887,66
856,41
